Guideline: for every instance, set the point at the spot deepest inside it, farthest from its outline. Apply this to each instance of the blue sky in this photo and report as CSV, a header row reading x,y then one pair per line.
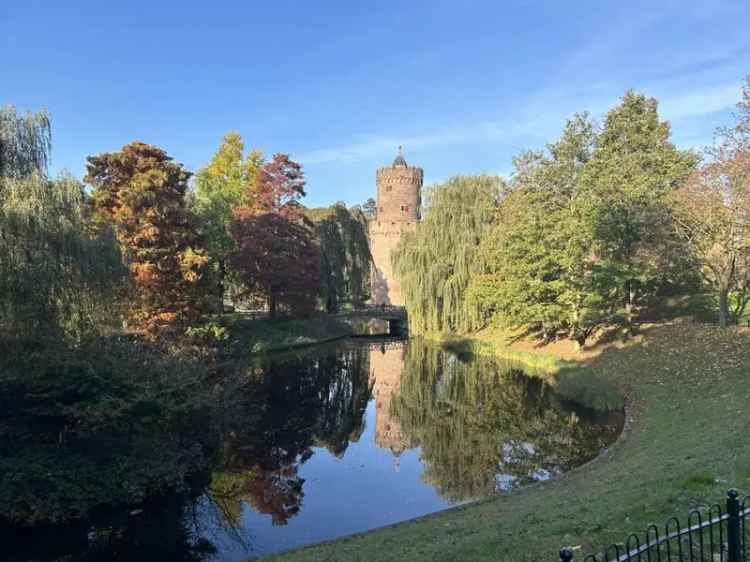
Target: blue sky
x,y
339,85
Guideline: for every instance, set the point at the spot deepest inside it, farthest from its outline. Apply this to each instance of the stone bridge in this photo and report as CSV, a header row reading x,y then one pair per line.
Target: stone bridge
x,y
376,320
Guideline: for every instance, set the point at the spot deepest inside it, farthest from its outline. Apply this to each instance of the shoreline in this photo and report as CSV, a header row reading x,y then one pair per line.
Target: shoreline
x,y
656,468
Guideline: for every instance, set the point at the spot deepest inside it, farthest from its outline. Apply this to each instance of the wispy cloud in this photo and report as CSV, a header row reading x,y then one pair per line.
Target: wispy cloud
x,y
371,146
524,122
704,102
532,120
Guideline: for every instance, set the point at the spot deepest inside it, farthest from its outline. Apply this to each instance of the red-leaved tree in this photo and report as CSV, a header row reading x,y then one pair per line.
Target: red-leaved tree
x,y
280,185
141,191
276,255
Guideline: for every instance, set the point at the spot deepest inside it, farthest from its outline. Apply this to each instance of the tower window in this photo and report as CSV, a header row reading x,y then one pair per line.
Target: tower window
x,y
402,209
389,188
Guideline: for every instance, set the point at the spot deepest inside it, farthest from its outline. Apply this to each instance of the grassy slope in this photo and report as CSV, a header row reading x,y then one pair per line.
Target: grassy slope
x,y
689,390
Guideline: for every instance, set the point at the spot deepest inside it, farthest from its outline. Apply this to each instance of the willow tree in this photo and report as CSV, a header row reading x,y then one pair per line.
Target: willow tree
x,y
54,270
25,143
345,257
436,263
55,273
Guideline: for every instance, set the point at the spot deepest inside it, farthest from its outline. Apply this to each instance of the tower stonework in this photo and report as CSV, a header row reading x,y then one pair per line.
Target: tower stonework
x,y
399,200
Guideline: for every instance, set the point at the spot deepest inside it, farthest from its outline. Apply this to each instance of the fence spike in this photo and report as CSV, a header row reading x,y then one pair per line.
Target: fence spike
x,y
734,540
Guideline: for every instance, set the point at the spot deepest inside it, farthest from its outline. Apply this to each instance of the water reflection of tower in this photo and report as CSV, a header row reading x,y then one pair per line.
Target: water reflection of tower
x,y
386,366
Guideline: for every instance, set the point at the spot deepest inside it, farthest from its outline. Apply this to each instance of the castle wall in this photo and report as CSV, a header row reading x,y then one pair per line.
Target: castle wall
x,y
384,237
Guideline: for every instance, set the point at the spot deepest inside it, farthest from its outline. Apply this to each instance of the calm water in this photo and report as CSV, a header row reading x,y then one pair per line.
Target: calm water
x,y
345,438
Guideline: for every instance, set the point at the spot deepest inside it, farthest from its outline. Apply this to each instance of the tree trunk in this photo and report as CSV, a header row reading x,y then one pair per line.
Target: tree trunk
x,y
220,288
580,341
272,305
630,307
723,307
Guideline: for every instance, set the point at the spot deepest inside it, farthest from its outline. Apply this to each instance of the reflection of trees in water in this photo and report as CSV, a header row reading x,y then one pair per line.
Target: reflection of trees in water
x,y
266,419
160,530
270,418
484,426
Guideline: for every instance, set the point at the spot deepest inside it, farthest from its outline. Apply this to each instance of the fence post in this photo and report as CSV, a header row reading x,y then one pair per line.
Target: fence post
x,y
566,554
734,553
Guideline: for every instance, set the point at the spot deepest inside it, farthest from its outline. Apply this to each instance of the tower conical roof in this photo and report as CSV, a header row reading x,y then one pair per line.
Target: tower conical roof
x,y
399,160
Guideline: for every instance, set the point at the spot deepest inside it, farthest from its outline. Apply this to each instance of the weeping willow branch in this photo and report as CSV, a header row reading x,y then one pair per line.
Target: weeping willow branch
x,y
345,255
25,143
436,264
56,277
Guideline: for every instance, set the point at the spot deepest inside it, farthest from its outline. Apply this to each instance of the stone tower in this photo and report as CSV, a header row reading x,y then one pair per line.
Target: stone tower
x,y
399,199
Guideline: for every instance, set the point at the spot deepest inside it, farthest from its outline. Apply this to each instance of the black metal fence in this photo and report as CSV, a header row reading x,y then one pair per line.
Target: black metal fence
x,y
715,534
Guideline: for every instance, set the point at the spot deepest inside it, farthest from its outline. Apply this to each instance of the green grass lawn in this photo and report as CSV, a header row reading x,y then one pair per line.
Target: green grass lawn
x,y
688,441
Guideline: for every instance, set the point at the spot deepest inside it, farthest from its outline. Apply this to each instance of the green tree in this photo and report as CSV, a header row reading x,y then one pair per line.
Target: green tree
x,y
539,272
78,406
58,277
436,264
633,168
220,187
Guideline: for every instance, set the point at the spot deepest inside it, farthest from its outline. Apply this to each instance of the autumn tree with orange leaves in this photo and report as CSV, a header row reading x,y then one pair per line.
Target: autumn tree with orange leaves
x,y
141,191
276,255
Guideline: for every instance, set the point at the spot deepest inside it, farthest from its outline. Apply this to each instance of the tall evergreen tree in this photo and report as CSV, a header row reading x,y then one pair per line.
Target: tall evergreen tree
x,y
633,168
538,268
